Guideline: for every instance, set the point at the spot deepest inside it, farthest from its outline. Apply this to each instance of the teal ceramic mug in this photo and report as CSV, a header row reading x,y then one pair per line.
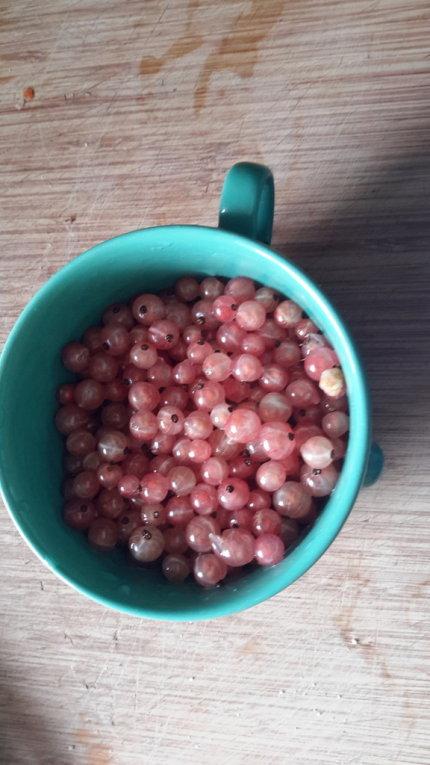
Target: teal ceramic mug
x,y
30,371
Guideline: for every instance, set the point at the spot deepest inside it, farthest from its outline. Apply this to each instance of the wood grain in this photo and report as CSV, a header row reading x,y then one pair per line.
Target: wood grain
x,y
139,110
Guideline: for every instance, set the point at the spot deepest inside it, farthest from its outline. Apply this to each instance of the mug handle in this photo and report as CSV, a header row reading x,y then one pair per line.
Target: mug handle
x,y
248,201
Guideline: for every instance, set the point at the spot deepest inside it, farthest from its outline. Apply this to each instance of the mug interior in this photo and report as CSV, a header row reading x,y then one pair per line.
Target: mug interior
x,y
31,448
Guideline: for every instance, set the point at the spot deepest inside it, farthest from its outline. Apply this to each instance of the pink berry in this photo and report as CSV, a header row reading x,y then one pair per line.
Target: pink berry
x,y
148,308
335,424
292,500
251,315
225,308
319,482
160,374
204,499
89,394
103,534
115,339
179,511
286,354
266,521
274,406
143,355
302,393
241,288
270,476
209,570
219,415
216,366
317,452
317,361
233,493
198,351
198,424
234,546
287,314
146,544
174,539
154,487
242,426
164,334
113,446
80,442
170,420
79,514
162,444
199,451
273,378
187,288
247,368
175,568
198,531
202,314
253,343
102,367
75,357
185,372
230,337
143,395
208,395
211,287
143,425
277,439
110,504
258,500
269,549
214,471
181,480
268,298
153,515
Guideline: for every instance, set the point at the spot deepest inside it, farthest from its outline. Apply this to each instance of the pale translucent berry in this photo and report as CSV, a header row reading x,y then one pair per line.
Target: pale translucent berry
x,y
234,546
202,314
187,288
242,467
217,366
274,406
335,424
198,424
180,449
304,328
113,446
143,355
154,487
75,357
270,476
242,426
191,334
199,451
80,442
146,544
170,420
273,378
236,391
181,480
269,549
103,534
198,351
209,570
332,383
317,452
233,493
108,475
251,315
286,354
302,393
204,499
185,372
287,314
79,514
208,395
211,287
179,511
148,308
162,443
230,337
89,394
143,395
271,333
223,446
241,288
110,504
126,523
317,361
319,482
268,298
256,452
266,521
115,339
162,463
198,531
253,343
214,471
277,439
164,334
154,515
160,374
128,485
247,368
258,499
175,568
102,367
292,500
313,342
174,395
143,425
225,308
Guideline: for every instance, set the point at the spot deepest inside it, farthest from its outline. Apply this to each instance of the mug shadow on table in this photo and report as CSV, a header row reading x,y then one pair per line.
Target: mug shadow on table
x,y
372,258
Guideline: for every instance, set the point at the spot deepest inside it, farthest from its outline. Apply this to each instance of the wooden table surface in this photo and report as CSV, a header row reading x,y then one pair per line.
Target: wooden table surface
x,y
139,109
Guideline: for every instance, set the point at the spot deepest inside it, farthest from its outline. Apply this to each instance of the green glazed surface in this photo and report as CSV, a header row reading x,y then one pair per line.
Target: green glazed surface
x,y
31,370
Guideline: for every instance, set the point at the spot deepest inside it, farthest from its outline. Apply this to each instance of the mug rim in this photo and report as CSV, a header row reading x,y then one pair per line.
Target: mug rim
x,y
317,540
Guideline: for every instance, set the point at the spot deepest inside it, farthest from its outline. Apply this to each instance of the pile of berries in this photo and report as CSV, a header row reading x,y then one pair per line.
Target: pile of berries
x,y
204,427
